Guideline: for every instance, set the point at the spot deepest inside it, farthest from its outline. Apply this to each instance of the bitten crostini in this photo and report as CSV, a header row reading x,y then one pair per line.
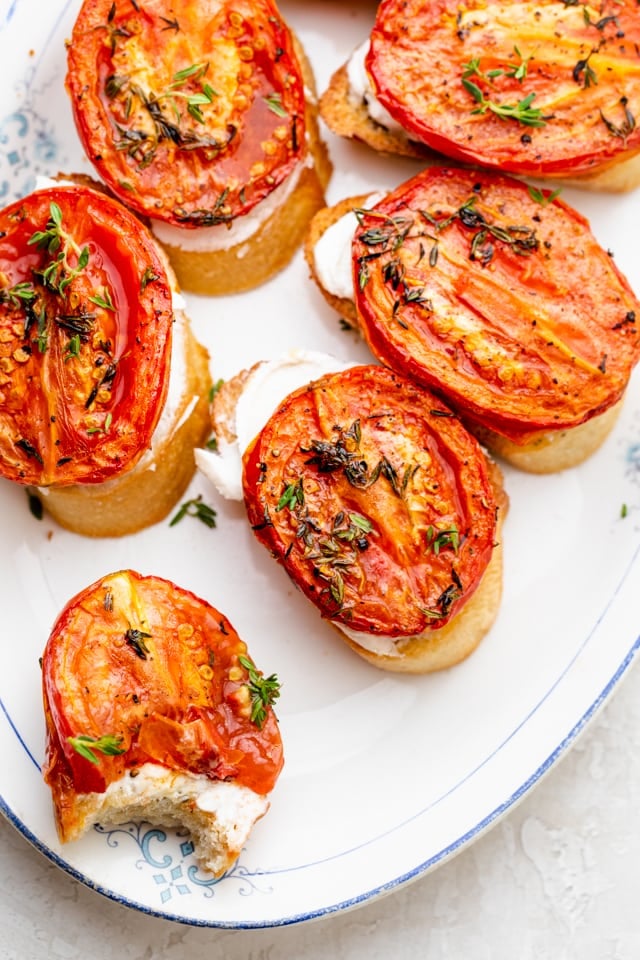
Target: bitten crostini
x,y
155,711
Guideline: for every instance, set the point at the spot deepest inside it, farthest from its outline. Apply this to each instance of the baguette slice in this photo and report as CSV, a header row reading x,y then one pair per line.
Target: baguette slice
x,y
430,648
541,451
151,715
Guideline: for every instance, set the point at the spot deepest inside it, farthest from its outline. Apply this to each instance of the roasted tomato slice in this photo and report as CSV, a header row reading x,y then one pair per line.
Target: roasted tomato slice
x,y
375,499
190,112
499,297
85,337
138,670
547,87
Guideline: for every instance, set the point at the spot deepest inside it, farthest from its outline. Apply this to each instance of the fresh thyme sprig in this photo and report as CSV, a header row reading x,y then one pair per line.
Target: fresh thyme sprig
x,y
543,198
438,540
515,71
109,745
264,691
103,300
195,508
274,102
292,496
194,101
522,112
19,294
141,144
56,241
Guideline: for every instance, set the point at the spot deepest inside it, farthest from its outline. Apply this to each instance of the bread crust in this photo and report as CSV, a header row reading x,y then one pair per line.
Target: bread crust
x,y
551,451
352,120
439,649
250,263
145,494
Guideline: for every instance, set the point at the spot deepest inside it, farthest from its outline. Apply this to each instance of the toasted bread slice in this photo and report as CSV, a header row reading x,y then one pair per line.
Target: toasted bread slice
x,y
349,117
545,452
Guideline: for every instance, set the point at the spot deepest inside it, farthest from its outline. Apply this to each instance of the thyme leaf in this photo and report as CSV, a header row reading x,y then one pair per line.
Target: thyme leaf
x,y
195,508
57,242
522,111
292,497
264,691
136,640
109,745
274,102
438,540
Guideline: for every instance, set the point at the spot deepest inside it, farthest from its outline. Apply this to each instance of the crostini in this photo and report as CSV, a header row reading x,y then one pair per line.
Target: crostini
x,y
103,387
495,295
155,711
544,89
378,503
202,118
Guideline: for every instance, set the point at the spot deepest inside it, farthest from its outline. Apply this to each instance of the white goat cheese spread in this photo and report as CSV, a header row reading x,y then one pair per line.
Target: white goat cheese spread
x,y
222,236
332,253
361,89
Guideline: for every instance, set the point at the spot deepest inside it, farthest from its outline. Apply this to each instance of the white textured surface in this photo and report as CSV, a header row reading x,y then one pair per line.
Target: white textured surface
x,y
557,879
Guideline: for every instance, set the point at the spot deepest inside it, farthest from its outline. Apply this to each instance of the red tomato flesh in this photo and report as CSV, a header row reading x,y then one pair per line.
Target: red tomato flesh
x,y
544,88
500,299
191,112
84,347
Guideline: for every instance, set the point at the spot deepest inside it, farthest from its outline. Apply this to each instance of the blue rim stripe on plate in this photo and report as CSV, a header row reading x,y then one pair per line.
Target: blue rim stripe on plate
x,y
418,871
